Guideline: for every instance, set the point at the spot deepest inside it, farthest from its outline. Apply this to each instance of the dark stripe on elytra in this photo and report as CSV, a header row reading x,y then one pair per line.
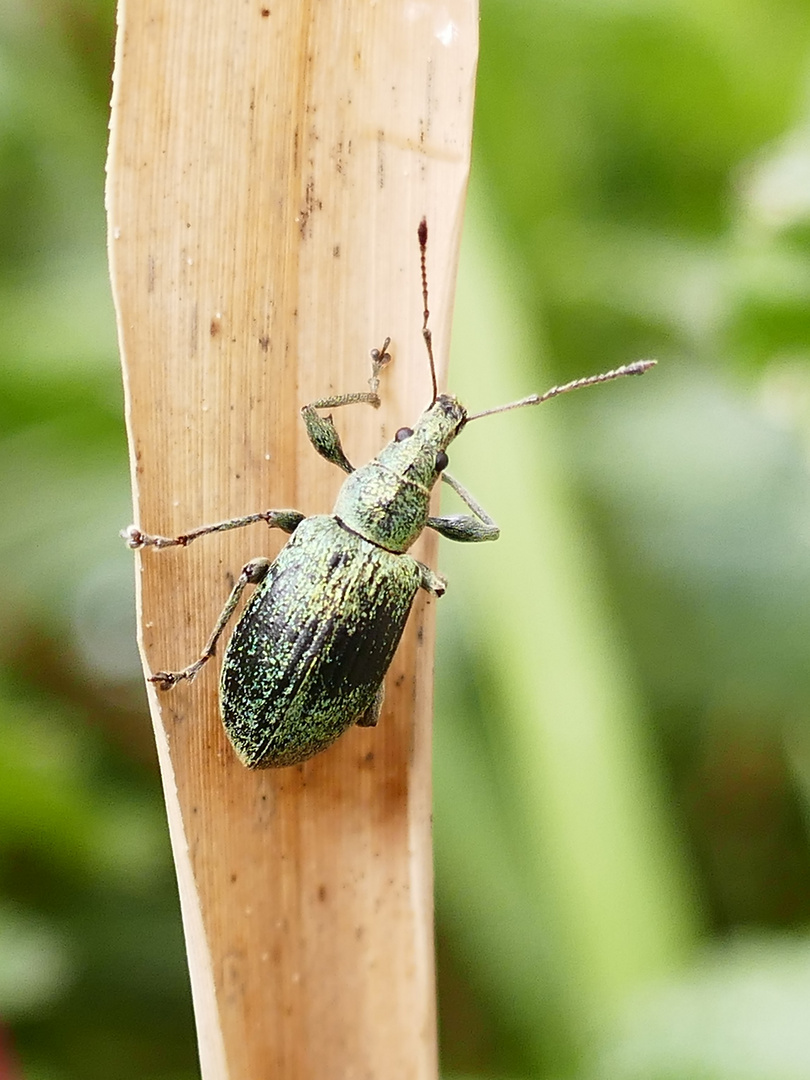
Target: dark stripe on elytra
x,y
349,651
262,620
361,656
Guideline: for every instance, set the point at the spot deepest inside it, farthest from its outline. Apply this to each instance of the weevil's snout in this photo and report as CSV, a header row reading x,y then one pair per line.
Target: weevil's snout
x,y
440,423
453,411
419,454
435,429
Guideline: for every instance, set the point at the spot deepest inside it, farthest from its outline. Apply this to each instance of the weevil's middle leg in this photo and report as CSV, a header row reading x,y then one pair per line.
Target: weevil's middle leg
x,y
252,574
431,582
321,429
288,520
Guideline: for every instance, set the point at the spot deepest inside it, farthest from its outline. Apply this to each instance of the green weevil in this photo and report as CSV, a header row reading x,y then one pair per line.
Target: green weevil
x,y
308,656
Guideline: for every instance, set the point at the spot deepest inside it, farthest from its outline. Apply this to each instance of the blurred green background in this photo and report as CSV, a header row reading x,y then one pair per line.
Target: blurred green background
x,y
622,749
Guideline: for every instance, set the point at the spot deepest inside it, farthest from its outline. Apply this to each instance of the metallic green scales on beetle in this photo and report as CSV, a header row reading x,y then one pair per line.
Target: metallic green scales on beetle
x,y
308,656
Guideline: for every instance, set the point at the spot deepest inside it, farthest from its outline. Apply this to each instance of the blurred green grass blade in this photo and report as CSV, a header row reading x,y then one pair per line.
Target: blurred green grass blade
x,y
740,1013
485,913
37,965
579,781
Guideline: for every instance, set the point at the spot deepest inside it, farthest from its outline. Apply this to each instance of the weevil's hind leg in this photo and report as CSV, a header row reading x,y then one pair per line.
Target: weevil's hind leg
x,y
465,527
321,429
372,713
288,520
252,573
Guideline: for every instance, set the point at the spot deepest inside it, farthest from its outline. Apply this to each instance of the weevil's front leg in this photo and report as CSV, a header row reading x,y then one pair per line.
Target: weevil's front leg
x,y
288,520
252,573
321,429
465,527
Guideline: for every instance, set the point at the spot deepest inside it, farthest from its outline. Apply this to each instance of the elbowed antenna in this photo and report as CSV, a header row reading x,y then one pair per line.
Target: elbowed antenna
x,y
636,368
426,334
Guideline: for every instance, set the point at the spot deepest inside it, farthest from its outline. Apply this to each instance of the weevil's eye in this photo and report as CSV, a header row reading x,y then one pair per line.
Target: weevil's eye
x,y
441,461
403,433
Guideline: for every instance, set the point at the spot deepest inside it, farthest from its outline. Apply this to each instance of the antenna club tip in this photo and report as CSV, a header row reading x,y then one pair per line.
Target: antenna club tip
x,y
640,366
422,233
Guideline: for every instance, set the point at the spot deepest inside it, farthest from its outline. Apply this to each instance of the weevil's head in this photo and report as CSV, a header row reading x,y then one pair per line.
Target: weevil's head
x,y
387,500
419,454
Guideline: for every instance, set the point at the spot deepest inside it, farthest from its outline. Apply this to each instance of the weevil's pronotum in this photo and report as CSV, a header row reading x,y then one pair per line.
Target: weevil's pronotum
x,y
308,656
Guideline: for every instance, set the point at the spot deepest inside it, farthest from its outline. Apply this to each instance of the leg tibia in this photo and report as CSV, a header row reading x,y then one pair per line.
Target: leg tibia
x,y
321,429
252,573
288,520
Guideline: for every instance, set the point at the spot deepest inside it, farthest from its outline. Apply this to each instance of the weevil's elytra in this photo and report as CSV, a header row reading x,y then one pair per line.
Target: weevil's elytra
x,y
316,639
309,654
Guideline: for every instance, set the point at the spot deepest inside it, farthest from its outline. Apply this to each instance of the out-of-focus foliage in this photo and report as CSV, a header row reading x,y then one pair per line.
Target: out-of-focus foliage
x,y
622,857
622,748
92,973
